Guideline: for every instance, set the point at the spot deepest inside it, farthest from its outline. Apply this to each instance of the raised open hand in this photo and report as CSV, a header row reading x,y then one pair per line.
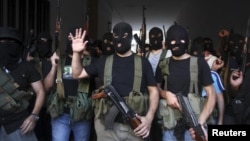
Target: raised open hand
x,y
78,43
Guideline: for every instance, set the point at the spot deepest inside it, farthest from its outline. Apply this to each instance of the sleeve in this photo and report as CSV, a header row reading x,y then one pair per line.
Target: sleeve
x,y
204,72
32,72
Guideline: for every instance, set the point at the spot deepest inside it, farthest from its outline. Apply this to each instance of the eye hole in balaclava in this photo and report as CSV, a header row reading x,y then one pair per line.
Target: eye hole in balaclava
x,y
122,37
177,40
235,45
107,44
155,38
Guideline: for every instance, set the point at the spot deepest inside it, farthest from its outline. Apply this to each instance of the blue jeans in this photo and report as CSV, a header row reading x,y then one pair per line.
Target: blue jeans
x,y
62,127
168,135
16,136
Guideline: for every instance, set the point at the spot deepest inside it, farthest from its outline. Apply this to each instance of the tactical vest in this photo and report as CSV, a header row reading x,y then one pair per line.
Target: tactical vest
x,y
136,100
79,105
12,100
169,115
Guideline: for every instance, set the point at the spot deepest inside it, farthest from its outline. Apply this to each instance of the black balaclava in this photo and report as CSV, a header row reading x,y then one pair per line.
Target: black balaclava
x,y
122,33
235,45
208,45
155,38
177,33
197,47
107,44
44,45
11,49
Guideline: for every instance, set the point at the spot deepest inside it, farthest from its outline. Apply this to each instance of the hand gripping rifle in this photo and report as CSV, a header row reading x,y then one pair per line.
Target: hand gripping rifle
x,y
190,117
127,113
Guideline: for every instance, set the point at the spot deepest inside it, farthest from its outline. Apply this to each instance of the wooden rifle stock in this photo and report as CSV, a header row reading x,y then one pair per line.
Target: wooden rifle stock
x,y
98,95
134,122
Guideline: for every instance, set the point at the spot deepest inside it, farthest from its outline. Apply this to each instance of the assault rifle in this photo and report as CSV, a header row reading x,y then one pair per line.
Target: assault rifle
x,y
127,113
60,85
245,48
141,41
245,51
190,117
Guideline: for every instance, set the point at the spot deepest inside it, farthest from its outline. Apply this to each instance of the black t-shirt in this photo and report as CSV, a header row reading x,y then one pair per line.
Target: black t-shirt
x,y
24,74
178,79
123,73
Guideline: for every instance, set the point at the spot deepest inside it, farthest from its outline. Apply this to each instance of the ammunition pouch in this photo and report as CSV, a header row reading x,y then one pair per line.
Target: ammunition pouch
x,y
8,104
55,105
170,116
136,101
81,107
12,100
101,107
196,103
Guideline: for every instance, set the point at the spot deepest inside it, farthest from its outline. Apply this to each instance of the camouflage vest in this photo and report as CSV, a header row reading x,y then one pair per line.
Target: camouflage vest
x,y
12,100
169,115
79,105
136,100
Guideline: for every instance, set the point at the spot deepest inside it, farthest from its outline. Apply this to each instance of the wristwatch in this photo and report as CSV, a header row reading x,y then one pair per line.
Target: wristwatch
x,y
36,116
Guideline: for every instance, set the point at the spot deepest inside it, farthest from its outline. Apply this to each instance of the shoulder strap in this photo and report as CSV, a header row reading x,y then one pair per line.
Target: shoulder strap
x,y
108,70
163,54
193,75
137,73
164,66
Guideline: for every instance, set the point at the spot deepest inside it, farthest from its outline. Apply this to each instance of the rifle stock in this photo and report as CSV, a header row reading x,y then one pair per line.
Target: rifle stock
x,y
127,113
190,117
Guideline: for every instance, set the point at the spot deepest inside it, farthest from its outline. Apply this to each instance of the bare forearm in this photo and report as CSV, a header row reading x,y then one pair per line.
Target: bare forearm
x,y
40,96
153,103
221,107
76,64
49,80
209,105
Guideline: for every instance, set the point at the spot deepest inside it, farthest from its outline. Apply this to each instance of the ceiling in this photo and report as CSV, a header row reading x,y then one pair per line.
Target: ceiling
x,y
202,18
155,12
